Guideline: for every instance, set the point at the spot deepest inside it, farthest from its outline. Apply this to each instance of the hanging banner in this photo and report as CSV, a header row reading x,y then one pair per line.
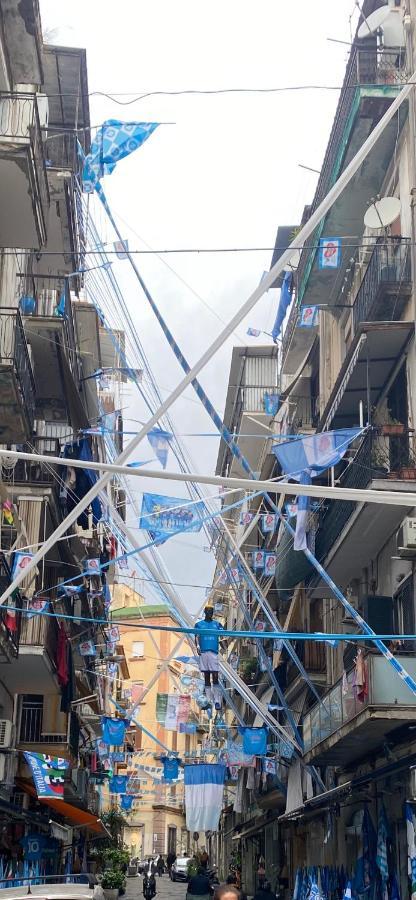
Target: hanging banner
x,y
246,518
269,765
163,516
87,648
268,523
170,768
113,633
253,332
121,249
21,559
270,560
118,784
161,708
308,317
254,740
172,712
329,256
204,788
184,709
91,567
127,802
48,774
258,559
271,403
36,605
159,441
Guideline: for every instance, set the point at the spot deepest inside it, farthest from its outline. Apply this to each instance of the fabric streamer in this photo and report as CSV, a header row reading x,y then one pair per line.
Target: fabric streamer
x,y
159,441
204,788
254,740
284,303
113,141
162,516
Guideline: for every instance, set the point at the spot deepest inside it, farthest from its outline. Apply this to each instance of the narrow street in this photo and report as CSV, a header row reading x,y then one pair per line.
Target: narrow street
x,y
165,889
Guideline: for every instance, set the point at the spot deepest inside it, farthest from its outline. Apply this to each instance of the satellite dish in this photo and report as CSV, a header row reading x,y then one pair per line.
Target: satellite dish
x,y
382,212
374,21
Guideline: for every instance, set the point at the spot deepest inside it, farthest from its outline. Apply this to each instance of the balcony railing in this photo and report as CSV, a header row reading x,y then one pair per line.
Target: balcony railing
x,y
10,625
14,352
46,304
386,283
341,704
29,471
20,125
40,631
252,398
303,412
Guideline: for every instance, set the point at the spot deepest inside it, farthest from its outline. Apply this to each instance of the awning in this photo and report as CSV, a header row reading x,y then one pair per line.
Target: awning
x,y
324,801
374,352
255,825
77,816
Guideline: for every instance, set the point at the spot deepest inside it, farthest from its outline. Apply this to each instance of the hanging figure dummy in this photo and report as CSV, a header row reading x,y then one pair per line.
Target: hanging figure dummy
x,y
208,646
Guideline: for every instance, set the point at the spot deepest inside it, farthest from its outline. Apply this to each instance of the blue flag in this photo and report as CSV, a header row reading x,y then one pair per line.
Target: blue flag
x,y
164,516
112,142
284,303
315,453
159,441
253,332
127,801
271,403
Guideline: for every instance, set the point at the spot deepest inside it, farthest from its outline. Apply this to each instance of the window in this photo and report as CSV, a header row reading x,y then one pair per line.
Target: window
x,y
171,839
404,612
31,718
137,650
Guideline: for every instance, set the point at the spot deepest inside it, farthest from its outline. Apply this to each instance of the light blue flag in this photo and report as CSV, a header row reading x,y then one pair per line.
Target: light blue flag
x,y
271,403
308,316
253,332
112,142
284,303
314,453
159,441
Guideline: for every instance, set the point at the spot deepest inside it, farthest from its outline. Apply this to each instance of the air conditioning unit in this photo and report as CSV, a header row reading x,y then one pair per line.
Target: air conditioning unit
x,y
406,538
6,734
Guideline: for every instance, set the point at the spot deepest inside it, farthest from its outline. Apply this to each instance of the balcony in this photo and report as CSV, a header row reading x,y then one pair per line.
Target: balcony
x,y
35,667
17,385
10,626
387,284
303,413
253,378
24,193
372,80
32,734
38,473
341,729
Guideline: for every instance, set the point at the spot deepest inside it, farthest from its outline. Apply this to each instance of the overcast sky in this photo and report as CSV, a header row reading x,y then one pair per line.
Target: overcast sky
x,y
225,174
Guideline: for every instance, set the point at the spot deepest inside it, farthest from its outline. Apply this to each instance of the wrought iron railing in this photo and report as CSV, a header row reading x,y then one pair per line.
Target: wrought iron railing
x,y
367,65
389,267
33,472
335,516
20,124
14,352
303,411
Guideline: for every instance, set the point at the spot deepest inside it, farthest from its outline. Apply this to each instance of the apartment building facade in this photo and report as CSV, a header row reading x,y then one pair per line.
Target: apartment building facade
x,y
355,367
51,340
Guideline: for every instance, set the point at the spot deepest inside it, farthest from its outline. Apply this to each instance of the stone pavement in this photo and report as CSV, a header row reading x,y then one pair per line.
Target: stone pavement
x,y
166,889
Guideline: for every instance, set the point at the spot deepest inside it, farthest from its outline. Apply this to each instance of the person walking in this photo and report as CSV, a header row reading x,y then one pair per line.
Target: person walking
x,y
160,866
170,859
199,886
265,892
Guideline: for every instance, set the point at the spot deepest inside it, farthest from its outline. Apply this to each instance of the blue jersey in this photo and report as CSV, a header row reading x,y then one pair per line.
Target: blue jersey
x,y
208,642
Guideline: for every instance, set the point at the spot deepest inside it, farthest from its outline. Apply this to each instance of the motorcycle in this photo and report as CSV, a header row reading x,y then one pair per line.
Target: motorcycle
x,y
149,887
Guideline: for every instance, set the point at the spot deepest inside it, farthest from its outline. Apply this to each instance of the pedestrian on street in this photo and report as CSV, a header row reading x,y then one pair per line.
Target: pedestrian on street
x,y
265,892
227,892
170,859
199,886
231,882
160,866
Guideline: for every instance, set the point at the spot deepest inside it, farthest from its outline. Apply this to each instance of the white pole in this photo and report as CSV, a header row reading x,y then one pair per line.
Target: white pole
x,y
264,286
359,495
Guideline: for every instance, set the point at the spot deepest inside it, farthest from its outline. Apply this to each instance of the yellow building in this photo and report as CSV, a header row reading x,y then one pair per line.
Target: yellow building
x,y
157,822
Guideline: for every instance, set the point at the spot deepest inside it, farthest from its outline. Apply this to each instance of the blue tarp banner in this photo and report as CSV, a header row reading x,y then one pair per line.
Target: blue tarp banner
x,y
48,774
164,516
314,454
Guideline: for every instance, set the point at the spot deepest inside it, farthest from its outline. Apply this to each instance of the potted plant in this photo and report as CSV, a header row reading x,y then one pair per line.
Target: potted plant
x,y
248,670
113,882
393,427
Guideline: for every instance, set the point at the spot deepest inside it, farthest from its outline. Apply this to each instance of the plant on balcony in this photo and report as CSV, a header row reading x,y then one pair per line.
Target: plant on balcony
x,y
249,670
393,427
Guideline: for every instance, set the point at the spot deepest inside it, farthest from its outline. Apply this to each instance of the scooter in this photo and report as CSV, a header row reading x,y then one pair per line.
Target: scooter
x,y
149,887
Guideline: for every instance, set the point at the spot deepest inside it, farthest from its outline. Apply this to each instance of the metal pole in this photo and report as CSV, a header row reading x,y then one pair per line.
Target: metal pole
x,y
210,352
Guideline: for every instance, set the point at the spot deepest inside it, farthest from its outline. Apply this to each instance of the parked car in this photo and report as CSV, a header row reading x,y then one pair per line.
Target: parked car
x,y
179,870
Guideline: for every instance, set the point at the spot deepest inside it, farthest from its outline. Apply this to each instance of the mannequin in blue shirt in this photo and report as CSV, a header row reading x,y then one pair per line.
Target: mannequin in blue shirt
x,y
208,646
